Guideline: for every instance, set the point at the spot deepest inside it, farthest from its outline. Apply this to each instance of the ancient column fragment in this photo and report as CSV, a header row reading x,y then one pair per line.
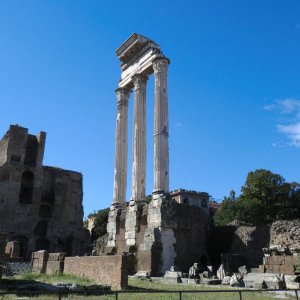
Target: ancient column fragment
x,y
161,127
139,138
121,148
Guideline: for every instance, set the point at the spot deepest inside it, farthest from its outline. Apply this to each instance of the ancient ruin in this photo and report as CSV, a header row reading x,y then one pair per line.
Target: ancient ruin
x,y
40,206
166,231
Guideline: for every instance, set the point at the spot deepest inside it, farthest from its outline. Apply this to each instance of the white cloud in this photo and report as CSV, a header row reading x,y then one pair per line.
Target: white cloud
x,y
286,106
292,131
290,107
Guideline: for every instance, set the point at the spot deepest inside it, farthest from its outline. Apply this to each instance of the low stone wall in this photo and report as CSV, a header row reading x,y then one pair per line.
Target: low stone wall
x,y
110,269
279,264
55,263
39,261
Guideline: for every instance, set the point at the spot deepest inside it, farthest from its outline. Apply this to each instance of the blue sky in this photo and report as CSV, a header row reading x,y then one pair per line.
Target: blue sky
x,y
234,86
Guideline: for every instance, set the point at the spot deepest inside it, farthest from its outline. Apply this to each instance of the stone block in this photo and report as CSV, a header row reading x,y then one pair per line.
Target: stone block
x,y
236,281
269,280
139,274
39,261
280,260
172,274
60,256
290,282
261,269
280,269
107,269
13,249
226,280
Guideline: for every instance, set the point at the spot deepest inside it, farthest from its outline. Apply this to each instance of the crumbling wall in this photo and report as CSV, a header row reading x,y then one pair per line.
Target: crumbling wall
x,y
279,264
3,149
191,234
248,240
285,233
55,263
110,269
160,235
40,207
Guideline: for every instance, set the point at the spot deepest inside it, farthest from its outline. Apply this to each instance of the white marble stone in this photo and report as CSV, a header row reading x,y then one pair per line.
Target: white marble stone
x,y
139,139
121,148
161,127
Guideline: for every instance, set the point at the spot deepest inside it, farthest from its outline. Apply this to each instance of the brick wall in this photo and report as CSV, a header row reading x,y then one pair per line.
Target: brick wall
x,y
110,269
55,263
279,264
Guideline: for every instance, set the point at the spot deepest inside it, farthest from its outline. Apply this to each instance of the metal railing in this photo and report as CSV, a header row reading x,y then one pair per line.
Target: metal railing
x,y
116,294
12,268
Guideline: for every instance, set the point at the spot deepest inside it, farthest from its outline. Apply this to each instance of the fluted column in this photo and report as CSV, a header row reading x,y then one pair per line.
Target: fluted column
x,y
139,139
161,127
121,148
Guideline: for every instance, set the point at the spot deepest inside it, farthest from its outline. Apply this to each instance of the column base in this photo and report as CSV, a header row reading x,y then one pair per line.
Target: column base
x,y
117,206
137,202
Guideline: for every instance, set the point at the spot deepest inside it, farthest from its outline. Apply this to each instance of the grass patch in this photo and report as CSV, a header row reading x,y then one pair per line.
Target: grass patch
x,y
45,278
145,286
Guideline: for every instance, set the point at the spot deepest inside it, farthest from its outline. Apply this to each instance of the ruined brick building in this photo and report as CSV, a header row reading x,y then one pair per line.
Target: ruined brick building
x,y
40,206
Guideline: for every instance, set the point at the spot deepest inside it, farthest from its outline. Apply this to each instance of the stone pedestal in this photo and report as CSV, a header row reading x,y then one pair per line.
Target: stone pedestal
x,y
160,231
112,225
133,214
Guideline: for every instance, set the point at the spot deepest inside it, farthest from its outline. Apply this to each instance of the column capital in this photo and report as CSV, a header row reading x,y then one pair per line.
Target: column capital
x,y
139,81
123,92
160,65
123,95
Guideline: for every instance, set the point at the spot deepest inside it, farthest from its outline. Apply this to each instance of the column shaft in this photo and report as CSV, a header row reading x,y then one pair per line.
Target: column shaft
x,y
161,127
121,148
139,138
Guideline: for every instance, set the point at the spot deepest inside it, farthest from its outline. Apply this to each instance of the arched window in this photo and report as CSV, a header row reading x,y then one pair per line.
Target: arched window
x,y
26,190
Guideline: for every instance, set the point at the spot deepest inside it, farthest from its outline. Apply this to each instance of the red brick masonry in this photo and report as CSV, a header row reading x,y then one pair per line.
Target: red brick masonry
x,y
110,269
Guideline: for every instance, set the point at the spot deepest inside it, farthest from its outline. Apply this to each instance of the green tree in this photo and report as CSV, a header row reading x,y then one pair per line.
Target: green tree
x,y
100,223
265,197
226,213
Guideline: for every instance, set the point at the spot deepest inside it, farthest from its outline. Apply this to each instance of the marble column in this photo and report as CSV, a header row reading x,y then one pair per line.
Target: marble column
x,y
161,127
121,148
139,139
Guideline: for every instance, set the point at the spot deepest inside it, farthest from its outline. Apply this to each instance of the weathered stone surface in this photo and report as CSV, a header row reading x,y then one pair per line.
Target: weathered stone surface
x,y
121,148
290,282
13,249
221,272
55,263
260,280
243,269
236,281
173,274
39,261
109,269
285,233
226,280
40,207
